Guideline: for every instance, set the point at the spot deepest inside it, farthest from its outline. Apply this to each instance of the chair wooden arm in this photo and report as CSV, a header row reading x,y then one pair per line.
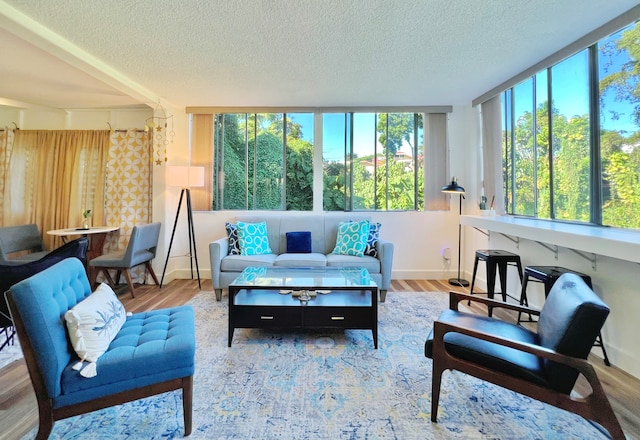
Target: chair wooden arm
x,y
456,297
582,365
594,406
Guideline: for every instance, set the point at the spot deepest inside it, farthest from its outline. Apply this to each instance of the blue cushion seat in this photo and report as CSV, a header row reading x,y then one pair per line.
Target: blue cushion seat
x,y
162,338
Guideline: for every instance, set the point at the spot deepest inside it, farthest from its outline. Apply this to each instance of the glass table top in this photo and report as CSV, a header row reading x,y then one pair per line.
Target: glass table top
x,y
299,277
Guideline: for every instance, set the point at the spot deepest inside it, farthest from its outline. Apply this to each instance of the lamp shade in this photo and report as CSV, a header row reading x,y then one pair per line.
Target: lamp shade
x,y
184,176
453,187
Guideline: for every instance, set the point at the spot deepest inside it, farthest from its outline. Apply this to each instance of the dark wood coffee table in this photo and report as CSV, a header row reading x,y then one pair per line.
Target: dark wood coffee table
x,y
266,297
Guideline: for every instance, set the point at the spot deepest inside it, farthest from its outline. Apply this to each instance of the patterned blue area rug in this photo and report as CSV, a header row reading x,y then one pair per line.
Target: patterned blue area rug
x,y
328,385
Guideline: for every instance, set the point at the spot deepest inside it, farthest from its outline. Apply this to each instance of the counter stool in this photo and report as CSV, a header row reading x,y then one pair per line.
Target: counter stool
x,y
548,275
496,258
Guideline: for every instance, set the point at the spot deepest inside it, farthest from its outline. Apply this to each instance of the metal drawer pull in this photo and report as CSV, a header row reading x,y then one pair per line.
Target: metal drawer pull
x,y
266,317
337,318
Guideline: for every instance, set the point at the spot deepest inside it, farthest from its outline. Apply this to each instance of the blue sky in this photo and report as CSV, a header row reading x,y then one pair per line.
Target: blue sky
x,y
571,94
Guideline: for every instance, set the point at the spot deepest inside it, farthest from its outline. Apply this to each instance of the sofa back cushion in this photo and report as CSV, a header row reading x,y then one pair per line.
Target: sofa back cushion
x,y
42,301
323,228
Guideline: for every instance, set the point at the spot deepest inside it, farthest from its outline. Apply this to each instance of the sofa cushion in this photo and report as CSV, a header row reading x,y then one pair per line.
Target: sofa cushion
x,y
301,260
369,263
298,242
237,263
372,240
94,322
232,235
352,238
253,238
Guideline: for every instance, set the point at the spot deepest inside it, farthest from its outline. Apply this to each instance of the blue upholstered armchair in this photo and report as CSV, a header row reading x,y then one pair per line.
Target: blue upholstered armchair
x,y
152,353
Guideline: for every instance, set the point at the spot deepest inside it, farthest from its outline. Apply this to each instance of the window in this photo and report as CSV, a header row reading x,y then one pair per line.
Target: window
x,y
373,161
265,161
577,159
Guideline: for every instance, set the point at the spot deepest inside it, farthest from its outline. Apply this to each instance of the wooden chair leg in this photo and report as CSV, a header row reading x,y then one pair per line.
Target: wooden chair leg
x,y
187,403
45,424
107,275
151,272
127,276
436,379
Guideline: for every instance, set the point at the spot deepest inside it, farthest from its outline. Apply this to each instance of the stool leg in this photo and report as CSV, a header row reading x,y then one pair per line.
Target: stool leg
x,y
502,273
523,296
491,282
600,343
473,278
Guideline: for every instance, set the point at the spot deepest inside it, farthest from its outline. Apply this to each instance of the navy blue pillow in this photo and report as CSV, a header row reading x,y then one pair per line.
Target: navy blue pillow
x,y
299,242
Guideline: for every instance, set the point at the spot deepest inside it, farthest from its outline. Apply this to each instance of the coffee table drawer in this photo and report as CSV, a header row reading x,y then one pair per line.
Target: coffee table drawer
x,y
343,317
258,317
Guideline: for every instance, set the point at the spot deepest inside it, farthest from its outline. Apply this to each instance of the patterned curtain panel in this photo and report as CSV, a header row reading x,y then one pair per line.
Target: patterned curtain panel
x,y
128,194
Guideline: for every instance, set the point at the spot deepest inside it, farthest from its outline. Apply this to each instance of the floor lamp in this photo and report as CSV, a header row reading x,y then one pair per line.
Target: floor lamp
x,y
454,188
186,178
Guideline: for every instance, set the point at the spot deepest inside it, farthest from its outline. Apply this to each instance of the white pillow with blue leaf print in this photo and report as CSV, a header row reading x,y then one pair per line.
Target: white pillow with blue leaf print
x,y
92,325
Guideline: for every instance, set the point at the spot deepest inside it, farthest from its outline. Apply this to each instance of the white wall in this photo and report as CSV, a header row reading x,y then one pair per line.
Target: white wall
x,y
419,237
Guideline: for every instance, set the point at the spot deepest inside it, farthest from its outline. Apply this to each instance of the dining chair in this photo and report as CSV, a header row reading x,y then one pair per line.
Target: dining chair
x,y
141,249
21,244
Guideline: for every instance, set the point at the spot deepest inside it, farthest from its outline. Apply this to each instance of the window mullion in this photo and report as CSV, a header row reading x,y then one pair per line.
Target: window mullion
x,y
594,130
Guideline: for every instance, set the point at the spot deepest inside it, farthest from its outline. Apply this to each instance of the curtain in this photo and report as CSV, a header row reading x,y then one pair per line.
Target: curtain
x,y
6,146
202,156
435,161
54,175
128,198
491,113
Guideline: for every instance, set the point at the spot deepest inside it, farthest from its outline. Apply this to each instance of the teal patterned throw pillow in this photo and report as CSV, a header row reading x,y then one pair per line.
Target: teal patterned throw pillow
x,y
352,238
253,238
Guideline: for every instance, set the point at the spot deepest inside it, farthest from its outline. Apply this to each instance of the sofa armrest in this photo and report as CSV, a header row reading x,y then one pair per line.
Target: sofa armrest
x,y
385,255
218,249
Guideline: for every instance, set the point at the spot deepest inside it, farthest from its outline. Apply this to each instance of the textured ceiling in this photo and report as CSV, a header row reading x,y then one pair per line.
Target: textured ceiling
x,y
79,54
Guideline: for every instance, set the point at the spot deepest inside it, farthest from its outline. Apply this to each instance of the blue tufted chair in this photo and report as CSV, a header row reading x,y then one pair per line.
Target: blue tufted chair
x,y
543,365
152,353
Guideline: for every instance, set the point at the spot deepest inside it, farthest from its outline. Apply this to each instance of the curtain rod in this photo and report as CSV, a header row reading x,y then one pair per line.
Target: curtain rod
x,y
119,130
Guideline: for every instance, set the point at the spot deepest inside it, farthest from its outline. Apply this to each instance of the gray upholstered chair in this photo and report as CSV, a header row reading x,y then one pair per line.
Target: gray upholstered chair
x,y
20,238
140,250
543,365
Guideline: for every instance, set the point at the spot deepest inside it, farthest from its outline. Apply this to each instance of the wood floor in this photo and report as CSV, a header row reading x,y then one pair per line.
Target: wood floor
x,y
19,412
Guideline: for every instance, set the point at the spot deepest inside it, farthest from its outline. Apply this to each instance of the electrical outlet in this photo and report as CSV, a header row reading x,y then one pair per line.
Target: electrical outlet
x,y
446,253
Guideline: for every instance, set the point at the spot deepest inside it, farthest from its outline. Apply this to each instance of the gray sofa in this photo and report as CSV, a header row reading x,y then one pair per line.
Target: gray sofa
x,y
324,229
